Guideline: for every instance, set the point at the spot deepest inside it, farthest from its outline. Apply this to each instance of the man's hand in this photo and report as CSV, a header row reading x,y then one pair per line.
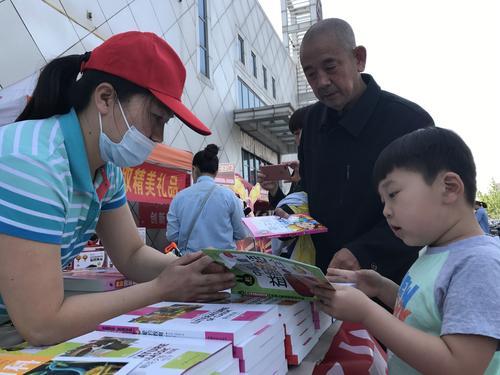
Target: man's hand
x,y
281,213
270,186
295,165
344,259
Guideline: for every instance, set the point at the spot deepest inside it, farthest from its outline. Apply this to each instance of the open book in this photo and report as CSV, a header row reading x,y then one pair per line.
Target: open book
x,y
270,275
275,226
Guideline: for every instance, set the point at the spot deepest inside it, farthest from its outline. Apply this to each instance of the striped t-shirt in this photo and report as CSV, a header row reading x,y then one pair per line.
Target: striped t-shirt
x,y
46,191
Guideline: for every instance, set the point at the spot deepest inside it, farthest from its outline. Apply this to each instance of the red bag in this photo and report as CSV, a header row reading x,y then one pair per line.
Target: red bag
x,y
353,352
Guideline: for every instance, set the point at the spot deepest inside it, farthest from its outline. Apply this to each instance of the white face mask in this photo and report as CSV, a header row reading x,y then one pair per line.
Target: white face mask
x,y
132,150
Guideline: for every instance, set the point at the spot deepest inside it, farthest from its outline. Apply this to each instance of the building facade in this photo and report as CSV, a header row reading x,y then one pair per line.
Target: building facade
x,y
235,61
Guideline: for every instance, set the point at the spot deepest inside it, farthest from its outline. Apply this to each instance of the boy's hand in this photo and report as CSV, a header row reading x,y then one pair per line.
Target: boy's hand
x,y
344,303
368,281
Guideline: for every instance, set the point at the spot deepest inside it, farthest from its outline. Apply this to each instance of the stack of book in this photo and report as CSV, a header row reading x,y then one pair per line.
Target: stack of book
x,y
301,323
94,280
253,329
127,354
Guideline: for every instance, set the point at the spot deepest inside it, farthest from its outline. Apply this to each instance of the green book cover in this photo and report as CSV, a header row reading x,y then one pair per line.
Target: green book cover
x,y
270,275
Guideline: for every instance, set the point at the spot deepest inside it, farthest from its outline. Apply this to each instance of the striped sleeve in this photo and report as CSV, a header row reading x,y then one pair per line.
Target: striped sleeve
x,y
33,199
115,197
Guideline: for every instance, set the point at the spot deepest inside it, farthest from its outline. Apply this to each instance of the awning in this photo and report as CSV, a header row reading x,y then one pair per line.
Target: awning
x,y
159,178
171,157
268,124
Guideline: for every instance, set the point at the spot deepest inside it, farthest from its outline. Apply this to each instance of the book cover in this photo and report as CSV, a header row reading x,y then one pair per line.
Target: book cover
x,y
14,364
270,275
275,226
97,280
230,322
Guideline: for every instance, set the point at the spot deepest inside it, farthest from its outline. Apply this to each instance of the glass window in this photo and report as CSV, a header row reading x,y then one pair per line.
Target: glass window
x,y
264,74
273,87
203,39
241,49
250,166
254,64
247,98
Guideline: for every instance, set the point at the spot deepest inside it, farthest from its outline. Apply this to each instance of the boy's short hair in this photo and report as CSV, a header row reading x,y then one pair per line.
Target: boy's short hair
x,y
429,151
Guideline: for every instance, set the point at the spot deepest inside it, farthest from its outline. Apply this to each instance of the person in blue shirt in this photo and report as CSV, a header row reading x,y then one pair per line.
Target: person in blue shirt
x,y
61,181
482,216
205,214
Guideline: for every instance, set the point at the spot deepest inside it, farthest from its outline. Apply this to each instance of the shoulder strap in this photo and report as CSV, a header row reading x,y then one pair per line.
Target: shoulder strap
x,y
195,219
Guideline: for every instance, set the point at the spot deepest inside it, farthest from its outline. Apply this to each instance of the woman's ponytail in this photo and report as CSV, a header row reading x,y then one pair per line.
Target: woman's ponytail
x,y
52,94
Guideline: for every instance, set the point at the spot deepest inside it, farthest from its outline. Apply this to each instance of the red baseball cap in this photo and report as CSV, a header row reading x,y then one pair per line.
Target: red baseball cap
x,y
148,61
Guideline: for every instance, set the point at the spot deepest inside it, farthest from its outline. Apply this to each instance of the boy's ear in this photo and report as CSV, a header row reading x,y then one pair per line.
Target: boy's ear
x,y
453,187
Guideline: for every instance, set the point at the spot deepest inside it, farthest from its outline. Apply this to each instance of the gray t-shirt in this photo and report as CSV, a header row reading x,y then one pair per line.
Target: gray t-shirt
x,y
453,289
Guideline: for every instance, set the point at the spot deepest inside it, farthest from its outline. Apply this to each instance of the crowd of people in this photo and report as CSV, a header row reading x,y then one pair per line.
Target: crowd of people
x,y
396,192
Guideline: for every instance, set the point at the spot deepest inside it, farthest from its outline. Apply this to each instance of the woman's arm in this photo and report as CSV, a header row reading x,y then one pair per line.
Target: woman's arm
x,y
31,285
118,233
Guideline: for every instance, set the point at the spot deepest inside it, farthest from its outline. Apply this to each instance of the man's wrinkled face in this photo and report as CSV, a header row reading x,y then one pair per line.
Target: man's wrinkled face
x,y
332,70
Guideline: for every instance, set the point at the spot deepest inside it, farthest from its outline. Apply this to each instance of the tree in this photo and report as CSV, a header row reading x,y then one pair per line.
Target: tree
x,y
492,199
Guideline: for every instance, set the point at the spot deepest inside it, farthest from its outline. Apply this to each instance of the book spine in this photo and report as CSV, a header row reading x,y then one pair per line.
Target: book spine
x,y
271,294
121,329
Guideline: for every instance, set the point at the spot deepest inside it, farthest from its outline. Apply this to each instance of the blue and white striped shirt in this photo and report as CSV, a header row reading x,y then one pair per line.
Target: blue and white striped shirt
x,y
46,191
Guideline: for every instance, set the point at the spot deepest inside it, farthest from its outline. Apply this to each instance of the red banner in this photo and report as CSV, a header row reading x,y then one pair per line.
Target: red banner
x,y
153,184
153,215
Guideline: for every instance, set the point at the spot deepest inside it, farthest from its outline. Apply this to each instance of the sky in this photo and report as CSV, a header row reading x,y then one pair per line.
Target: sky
x,y
443,55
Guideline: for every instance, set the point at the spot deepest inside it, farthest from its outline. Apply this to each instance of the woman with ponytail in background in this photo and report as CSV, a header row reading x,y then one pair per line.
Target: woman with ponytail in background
x,y
60,181
205,214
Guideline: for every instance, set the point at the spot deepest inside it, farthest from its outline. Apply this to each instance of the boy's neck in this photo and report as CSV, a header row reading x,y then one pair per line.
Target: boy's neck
x,y
463,225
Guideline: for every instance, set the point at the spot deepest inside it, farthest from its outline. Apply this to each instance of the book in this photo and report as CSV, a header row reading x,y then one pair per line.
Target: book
x,y
95,280
275,226
270,275
14,364
229,322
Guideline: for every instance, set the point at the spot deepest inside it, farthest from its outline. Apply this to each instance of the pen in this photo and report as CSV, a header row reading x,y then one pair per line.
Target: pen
x,y
172,247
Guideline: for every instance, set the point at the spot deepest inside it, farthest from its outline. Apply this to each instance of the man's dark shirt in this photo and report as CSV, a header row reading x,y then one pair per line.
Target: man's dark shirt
x,y
337,154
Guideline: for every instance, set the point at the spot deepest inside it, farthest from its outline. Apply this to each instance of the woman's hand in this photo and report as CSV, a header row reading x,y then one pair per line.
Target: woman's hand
x,y
194,277
368,281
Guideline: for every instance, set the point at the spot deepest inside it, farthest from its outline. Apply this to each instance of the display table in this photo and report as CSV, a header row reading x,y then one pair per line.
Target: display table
x,y
317,354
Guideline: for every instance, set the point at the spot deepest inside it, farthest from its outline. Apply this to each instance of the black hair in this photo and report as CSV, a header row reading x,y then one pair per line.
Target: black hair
x,y
297,119
57,89
207,160
429,151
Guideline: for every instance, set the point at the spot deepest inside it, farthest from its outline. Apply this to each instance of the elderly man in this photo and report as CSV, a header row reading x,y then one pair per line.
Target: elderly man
x,y
342,137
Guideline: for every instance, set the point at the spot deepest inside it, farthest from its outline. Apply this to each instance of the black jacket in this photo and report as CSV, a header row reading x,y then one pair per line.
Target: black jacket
x,y
337,154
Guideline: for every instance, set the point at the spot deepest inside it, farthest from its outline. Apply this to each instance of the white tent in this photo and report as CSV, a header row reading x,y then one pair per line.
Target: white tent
x,y
13,98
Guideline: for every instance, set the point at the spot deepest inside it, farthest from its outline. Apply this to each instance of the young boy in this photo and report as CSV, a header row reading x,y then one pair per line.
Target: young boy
x,y
447,310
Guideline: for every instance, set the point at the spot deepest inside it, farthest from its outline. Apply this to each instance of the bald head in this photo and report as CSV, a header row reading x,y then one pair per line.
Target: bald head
x,y
336,27
332,63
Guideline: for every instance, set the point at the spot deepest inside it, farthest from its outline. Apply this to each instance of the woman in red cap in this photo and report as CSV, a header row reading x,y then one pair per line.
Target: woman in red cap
x,y
60,181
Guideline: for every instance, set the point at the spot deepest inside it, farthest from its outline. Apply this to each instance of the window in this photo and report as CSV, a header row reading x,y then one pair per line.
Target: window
x,y
264,74
202,29
246,97
254,64
241,49
273,81
251,165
